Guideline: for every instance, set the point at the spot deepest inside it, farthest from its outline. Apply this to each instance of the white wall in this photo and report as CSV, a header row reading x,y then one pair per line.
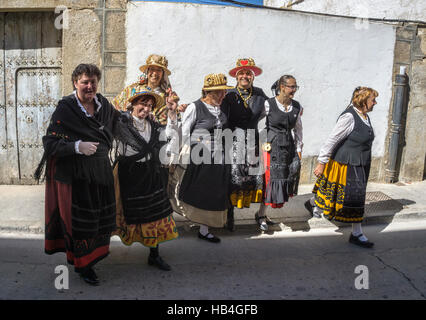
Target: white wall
x,y
328,56
388,9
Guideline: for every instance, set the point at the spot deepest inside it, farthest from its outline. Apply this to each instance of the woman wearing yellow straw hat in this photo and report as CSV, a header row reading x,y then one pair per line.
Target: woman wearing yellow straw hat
x,y
155,75
144,213
204,190
243,106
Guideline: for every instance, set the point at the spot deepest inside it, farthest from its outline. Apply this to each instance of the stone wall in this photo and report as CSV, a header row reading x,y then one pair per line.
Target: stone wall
x,y
95,34
413,155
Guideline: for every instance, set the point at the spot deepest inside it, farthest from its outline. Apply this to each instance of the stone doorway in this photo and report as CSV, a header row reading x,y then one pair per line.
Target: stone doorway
x,y
30,86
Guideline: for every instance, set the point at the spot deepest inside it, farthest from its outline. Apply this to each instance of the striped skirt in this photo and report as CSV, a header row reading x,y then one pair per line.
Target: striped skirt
x,y
155,223
340,191
79,220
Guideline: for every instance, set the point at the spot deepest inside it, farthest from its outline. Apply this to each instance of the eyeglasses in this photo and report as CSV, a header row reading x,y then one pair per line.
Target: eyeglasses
x,y
292,87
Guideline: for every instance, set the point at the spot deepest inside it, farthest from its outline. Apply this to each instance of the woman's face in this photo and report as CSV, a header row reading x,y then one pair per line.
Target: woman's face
x,y
143,106
245,78
86,87
155,74
216,97
289,88
370,103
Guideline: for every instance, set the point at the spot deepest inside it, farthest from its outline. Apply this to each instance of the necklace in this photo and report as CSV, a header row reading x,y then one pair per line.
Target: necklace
x,y
140,125
245,99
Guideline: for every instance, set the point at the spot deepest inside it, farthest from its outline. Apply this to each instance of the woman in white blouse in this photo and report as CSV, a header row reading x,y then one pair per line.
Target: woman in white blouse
x,y
204,190
144,212
344,165
282,152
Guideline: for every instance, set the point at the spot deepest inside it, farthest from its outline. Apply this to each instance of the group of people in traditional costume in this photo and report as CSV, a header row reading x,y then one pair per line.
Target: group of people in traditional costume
x,y
89,199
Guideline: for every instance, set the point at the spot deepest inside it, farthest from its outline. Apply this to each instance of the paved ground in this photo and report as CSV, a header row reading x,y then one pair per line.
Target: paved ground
x,y
22,207
314,264
300,258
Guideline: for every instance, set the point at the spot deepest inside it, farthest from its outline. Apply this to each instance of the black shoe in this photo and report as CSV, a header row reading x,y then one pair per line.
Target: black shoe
x,y
263,226
355,240
309,207
213,239
159,263
90,277
269,222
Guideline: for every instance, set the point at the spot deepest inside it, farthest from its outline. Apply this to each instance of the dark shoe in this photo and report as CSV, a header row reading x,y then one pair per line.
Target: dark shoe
x,y
159,263
90,277
269,222
213,239
264,225
355,240
309,207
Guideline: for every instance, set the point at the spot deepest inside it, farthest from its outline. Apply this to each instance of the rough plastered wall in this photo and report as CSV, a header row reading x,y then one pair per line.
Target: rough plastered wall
x,y
380,9
328,56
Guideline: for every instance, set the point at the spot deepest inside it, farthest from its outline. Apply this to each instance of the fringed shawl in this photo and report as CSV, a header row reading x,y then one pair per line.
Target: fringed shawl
x,y
69,124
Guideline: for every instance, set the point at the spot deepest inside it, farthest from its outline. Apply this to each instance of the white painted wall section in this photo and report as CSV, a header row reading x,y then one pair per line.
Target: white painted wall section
x,y
328,56
380,9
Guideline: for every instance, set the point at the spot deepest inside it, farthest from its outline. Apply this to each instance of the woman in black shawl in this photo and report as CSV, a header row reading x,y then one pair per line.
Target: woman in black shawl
x,y
80,201
144,212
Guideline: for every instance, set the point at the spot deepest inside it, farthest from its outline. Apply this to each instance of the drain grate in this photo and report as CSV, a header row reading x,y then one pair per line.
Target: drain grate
x,y
378,201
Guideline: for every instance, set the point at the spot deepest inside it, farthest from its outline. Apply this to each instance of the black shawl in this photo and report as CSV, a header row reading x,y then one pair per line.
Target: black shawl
x,y
69,124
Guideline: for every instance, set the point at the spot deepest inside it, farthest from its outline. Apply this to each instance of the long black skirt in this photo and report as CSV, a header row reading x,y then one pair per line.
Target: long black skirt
x,y
206,186
143,193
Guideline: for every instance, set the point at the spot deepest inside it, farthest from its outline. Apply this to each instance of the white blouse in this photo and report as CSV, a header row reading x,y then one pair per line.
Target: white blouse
x,y
77,143
344,126
188,119
297,130
144,128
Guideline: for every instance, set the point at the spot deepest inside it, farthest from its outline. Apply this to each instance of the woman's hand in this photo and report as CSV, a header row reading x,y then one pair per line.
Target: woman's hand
x,y
88,148
182,107
171,102
319,169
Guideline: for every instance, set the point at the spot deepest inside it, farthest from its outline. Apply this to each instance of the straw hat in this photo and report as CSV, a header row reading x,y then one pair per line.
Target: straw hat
x,y
157,61
146,91
215,81
245,64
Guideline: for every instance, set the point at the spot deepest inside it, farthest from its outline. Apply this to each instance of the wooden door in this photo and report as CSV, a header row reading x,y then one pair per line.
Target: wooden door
x,y
32,87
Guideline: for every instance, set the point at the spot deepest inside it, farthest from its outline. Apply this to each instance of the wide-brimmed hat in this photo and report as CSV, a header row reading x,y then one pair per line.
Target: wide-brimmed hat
x,y
146,91
245,63
215,81
156,61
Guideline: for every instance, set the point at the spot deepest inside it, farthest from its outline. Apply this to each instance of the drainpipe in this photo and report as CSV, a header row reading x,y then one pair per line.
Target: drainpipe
x,y
401,81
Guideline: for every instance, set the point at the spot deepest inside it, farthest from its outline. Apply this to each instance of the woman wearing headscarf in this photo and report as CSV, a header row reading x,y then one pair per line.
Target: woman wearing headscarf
x,y
204,189
79,201
344,165
144,213
243,106
282,152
